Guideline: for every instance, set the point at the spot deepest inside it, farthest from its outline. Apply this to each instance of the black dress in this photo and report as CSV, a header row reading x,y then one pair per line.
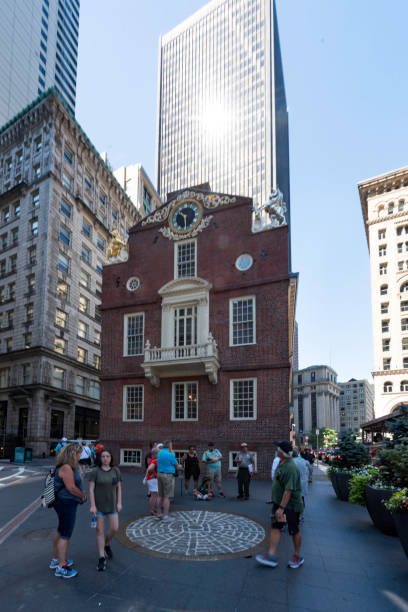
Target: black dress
x,y
191,467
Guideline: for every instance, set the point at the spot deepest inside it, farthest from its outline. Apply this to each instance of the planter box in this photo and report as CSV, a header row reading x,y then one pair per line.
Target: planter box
x,y
340,482
401,523
381,517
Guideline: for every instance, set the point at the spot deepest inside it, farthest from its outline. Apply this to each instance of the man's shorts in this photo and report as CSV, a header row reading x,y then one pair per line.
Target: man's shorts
x,y
188,474
214,475
292,519
166,485
152,485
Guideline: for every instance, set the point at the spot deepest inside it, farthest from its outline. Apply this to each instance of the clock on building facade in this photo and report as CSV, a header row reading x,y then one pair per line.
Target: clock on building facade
x,y
185,217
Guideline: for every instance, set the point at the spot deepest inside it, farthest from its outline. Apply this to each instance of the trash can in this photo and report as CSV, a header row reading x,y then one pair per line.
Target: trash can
x,y
28,455
19,453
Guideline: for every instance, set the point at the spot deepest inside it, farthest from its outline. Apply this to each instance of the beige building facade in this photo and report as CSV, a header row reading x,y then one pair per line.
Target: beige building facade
x,y
356,404
59,204
384,203
315,400
134,180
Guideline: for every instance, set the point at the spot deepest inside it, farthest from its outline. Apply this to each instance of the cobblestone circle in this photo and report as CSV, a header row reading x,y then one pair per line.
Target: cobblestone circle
x,y
195,534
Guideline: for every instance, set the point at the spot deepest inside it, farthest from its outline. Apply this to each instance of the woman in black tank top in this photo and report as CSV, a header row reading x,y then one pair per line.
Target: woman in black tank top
x,y
191,467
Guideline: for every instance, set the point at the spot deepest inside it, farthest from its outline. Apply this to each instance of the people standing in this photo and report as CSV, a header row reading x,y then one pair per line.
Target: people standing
x,y
287,507
105,496
212,458
148,455
85,458
303,467
68,494
151,481
244,460
191,466
60,445
166,466
309,456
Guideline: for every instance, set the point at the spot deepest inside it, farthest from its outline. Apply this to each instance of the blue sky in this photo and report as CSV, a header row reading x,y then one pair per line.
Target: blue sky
x,y
346,85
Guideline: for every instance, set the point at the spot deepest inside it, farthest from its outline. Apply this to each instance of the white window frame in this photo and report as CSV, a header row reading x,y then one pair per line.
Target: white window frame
x,y
231,327
125,418
173,399
232,417
234,468
132,463
176,250
125,333
179,454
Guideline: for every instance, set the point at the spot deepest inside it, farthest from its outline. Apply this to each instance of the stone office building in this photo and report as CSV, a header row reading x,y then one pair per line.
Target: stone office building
x,y
198,337
59,204
315,400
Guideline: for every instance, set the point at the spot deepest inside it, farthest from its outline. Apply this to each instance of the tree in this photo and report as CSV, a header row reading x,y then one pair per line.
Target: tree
x,y
325,433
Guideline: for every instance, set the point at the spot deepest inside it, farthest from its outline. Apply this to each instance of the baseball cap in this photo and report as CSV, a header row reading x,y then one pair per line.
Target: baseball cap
x,y
64,439
285,445
244,444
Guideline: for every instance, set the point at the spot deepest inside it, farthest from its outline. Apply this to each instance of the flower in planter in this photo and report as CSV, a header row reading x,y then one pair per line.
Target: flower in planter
x,y
398,502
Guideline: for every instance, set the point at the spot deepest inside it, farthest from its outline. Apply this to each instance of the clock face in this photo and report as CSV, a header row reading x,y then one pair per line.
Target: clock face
x,y
185,217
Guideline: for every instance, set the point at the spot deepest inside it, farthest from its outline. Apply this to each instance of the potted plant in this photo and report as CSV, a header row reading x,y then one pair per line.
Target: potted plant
x,y
398,506
392,475
351,454
357,484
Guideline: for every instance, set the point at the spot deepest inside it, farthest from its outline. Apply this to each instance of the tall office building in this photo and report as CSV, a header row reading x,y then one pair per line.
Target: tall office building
x,y
38,50
222,116
384,204
134,180
356,404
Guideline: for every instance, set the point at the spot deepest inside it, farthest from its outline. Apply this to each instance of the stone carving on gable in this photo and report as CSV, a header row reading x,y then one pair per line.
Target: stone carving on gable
x,y
210,200
167,233
276,210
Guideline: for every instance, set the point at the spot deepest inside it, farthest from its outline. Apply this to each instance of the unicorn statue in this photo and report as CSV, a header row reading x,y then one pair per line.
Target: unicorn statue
x,y
275,207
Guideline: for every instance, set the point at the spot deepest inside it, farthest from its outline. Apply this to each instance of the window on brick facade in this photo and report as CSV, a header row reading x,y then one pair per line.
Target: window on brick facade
x,y
185,259
242,321
133,402
133,334
243,399
185,326
184,401
131,456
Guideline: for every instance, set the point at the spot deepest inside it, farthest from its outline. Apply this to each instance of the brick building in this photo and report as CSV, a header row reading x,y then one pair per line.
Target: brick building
x,y
198,331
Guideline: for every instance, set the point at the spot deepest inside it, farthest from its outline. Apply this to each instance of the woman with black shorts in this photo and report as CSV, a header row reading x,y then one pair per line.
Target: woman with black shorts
x,y
191,467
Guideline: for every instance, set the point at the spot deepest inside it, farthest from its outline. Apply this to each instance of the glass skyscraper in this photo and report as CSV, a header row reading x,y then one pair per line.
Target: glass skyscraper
x,y
222,115
38,50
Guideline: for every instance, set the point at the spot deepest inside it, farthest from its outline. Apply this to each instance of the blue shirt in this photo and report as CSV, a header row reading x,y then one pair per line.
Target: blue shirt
x,y
166,462
60,490
212,455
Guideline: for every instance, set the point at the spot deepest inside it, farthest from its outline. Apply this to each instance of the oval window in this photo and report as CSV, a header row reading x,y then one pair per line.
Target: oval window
x,y
244,262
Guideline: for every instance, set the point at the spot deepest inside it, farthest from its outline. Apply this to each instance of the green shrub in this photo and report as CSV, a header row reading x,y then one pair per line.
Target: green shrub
x,y
357,484
352,453
394,466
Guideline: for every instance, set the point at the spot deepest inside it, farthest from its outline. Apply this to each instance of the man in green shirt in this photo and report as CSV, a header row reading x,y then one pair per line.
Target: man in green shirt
x,y
287,507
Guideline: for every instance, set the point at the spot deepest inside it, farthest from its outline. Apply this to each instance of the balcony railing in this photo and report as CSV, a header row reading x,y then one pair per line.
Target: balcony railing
x,y
191,360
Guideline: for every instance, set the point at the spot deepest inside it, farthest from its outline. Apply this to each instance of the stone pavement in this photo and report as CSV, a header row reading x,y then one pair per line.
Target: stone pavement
x,y
349,565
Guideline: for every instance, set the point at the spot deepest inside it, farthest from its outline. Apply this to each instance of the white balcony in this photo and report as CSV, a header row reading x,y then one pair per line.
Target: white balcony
x,y
192,360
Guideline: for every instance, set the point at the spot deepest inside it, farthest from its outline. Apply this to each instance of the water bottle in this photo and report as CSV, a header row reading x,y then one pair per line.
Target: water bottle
x,y
93,522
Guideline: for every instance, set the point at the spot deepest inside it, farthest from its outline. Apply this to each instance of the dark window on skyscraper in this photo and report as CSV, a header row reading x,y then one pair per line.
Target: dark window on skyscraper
x,y
300,413
314,413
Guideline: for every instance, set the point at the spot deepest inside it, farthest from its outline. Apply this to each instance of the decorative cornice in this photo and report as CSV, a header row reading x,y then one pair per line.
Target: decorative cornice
x,y
210,201
167,233
389,372
397,215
